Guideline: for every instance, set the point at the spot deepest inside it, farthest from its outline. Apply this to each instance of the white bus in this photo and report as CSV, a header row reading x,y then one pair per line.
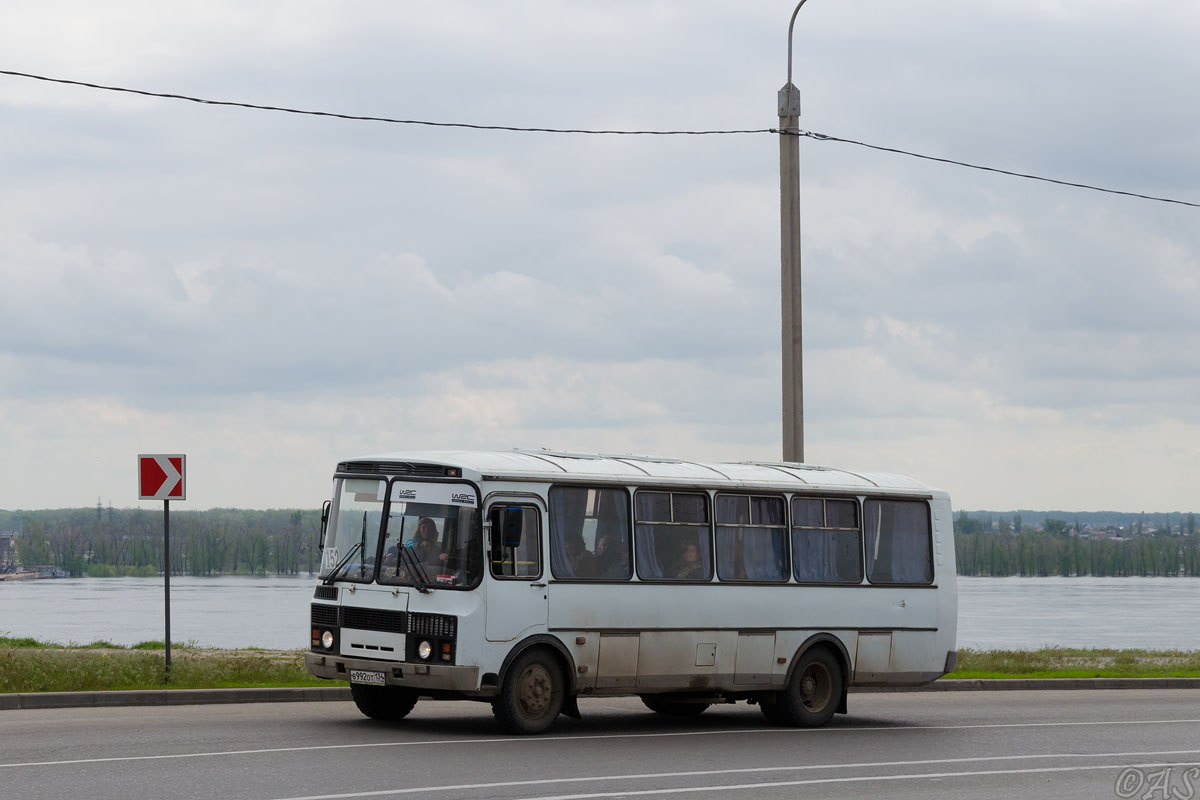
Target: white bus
x,y
529,579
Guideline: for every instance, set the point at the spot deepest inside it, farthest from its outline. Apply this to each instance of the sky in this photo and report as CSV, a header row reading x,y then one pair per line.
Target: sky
x,y
271,293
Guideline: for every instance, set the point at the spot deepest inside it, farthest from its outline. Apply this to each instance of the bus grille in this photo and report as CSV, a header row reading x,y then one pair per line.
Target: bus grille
x,y
326,593
439,626
324,616
371,619
442,626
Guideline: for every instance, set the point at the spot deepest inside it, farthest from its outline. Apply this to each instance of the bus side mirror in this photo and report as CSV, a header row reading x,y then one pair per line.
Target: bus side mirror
x,y
324,524
514,523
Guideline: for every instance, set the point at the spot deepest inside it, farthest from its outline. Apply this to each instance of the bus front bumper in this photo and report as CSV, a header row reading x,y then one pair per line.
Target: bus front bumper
x,y
432,677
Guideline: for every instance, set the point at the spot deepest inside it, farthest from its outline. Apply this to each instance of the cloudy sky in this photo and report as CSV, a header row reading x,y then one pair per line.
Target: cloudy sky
x,y
269,293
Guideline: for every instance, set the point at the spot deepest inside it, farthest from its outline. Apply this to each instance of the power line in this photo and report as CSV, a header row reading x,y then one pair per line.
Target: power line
x,y
821,137
824,138
391,120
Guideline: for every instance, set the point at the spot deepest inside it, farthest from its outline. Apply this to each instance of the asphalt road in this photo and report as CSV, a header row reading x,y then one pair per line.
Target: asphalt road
x,y
1084,744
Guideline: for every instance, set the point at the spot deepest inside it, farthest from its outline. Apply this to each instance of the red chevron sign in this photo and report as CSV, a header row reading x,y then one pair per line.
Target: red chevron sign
x,y
161,477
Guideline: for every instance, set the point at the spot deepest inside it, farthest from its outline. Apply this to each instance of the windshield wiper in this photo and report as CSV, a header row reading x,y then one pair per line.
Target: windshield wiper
x,y
420,577
333,573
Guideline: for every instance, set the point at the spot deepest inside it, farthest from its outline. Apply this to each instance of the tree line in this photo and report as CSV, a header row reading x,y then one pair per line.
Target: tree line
x,y
104,542
1062,548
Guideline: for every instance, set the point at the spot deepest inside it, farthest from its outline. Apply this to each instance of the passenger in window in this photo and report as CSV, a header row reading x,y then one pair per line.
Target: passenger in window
x,y
582,561
612,560
425,543
689,566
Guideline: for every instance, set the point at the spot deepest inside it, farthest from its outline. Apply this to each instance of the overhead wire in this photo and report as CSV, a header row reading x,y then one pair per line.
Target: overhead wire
x,y
391,120
820,137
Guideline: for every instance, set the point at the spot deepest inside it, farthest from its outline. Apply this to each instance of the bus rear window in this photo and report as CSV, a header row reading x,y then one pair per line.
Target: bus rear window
x,y
898,541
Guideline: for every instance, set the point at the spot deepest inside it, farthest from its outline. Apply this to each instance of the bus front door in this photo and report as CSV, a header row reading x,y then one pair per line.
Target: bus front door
x,y
516,580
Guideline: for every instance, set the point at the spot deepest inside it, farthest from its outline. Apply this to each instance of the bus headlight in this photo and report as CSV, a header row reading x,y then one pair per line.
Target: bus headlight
x,y
327,639
424,650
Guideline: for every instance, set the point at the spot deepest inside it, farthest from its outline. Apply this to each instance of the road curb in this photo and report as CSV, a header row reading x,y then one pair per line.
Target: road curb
x,y
1022,684
182,697
170,697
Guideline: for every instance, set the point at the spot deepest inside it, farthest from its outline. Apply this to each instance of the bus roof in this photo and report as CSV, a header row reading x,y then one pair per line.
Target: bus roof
x,y
550,465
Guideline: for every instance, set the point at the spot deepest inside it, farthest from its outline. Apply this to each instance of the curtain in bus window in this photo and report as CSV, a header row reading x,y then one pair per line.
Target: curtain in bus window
x,y
763,553
750,554
747,549
567,508
813,553
898,549
822,555
825,540
648,565
612,550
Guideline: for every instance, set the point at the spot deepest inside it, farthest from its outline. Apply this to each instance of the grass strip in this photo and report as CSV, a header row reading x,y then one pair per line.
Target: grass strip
x,y
1071,662
27,665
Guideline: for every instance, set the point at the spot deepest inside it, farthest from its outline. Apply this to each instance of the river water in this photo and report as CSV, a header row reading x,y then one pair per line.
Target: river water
x,y
272,612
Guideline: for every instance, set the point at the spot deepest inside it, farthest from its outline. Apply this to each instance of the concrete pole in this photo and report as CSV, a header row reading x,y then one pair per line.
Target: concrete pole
x,y
789,219
789,223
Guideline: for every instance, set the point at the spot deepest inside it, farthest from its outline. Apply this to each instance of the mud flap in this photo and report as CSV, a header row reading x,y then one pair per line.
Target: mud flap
x,y
570,708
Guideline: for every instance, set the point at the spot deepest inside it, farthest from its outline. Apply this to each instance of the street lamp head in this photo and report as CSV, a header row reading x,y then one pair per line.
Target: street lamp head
x,y
789,95
792,24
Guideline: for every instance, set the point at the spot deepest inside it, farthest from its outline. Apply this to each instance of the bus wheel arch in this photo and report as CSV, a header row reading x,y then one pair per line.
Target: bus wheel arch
x,y
534,686
821,664
840,652
566,662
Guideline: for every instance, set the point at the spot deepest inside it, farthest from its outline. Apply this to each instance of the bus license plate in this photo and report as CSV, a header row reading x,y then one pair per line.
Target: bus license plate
x,y
366,676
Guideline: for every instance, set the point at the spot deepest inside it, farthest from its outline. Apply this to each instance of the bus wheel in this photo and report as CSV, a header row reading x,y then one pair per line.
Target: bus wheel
x,y
674,708
532,694
812,695
384,702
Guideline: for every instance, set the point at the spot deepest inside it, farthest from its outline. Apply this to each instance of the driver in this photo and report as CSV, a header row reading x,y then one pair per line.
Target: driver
x,y
425,543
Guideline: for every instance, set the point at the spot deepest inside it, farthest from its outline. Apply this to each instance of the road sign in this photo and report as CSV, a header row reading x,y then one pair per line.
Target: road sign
x,y
161,477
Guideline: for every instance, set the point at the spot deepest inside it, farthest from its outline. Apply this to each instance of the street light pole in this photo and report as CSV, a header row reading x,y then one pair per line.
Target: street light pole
x,y
789,220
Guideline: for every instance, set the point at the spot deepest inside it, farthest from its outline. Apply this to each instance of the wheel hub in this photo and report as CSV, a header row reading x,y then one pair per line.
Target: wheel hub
x,y
814,687
534,689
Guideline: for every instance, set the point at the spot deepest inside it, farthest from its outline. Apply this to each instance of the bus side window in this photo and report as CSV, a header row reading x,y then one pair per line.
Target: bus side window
x,y
511,559
751,538
673,536
589,533
826,540
898,541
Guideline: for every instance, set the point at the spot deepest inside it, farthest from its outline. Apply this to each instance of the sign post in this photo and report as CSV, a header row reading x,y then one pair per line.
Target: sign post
x,y
161,477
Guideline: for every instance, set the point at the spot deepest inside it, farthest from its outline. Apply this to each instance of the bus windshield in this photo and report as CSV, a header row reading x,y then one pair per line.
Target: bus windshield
x,y
432,537
353,537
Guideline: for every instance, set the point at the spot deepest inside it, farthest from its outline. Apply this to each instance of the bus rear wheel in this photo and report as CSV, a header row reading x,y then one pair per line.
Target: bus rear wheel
x,y
674,708
384,702
531,696
812,695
